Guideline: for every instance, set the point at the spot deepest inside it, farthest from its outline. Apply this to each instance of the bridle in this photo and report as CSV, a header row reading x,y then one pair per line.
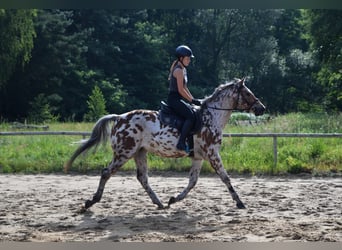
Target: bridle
x,y
237,103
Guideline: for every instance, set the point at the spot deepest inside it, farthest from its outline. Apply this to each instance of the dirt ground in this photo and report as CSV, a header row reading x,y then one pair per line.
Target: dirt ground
x,y
43,208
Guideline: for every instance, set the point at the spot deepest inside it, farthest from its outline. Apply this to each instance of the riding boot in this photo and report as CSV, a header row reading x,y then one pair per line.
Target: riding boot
x,y
190,140
187,126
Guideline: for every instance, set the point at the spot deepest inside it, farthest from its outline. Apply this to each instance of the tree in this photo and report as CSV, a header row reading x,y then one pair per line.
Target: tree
x,y
56,57
96,105
40,111
292,57
288,31
16,40
324,29
126,48
289,84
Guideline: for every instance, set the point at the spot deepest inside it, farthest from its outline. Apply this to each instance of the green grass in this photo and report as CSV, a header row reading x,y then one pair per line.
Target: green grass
x,y
317,156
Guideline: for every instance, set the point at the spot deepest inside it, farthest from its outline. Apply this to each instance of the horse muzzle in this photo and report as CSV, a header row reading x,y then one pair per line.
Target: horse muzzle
x,y
258,108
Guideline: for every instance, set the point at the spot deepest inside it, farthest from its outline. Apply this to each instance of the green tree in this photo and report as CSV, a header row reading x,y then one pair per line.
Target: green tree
x,y
16,40
96,105
324,32
236,43
288,31
292,57
126,51
289,84
113,92
40,111
57,55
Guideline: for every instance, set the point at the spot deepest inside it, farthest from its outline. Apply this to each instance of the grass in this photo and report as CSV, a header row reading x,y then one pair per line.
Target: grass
x,y
317,156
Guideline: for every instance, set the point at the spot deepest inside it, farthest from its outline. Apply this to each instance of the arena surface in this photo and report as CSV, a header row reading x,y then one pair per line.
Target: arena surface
x,y
44,208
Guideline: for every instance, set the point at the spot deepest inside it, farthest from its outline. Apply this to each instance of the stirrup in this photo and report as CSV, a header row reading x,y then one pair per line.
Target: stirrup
x,y
186,147
191,153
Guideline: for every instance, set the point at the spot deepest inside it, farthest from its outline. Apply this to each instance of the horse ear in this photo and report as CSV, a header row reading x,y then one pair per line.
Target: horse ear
x,y
241,82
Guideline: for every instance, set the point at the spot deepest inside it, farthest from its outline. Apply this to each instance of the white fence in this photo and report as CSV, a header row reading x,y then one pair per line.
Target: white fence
x,y
272,135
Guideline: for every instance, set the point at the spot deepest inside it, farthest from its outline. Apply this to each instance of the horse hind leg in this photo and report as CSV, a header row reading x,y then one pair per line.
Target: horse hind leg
x,y
105,175
193,177
142,176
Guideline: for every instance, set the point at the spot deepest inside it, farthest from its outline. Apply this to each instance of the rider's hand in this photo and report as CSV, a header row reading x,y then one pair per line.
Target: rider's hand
x,y
196,102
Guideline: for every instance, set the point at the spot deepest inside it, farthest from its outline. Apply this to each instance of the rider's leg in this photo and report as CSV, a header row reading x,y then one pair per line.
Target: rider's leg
x,y
187,126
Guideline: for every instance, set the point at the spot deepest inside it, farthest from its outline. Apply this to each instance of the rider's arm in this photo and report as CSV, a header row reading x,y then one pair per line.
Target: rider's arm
x,y
182,90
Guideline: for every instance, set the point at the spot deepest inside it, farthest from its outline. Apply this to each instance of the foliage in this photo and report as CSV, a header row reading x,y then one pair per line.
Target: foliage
x,y
40,111
16,41
96,106
327,47
56,57
292,57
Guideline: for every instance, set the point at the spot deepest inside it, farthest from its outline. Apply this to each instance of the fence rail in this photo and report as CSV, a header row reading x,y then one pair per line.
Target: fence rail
x,y
46,133
276,135
82,133
273,135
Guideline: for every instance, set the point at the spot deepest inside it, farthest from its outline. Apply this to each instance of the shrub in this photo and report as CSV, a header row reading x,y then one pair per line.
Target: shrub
x,y
96,105
40,111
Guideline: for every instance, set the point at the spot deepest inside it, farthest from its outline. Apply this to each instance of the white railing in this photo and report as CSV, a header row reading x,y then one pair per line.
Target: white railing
x,y
273,135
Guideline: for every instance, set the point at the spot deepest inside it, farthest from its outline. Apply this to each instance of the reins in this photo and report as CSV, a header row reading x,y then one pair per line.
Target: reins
x,y
226,109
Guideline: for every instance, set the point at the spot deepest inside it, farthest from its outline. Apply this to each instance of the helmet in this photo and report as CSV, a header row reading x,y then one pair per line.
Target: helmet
x,y
183,50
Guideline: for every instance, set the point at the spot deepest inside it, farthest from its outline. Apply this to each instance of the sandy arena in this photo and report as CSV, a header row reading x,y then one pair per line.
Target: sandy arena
x,y
43,208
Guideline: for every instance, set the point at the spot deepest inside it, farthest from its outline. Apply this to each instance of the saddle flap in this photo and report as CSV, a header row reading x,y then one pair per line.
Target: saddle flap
x,y
166,109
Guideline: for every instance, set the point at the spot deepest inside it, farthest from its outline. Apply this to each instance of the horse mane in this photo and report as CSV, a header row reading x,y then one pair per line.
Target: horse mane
x,y
219,89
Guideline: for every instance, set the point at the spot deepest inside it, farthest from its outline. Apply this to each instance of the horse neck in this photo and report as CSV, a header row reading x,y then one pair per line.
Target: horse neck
x,y
218,119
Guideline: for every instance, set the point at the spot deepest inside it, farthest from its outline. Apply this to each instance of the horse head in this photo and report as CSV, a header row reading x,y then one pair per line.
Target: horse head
x,y
246,100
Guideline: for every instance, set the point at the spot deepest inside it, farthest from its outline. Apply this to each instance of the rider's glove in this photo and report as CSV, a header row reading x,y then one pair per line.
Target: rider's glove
x,y
196,102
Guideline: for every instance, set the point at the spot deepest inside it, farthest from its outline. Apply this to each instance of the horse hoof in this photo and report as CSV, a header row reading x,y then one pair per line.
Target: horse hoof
x,y
171,201
88,204
240,205
82,210
163,207
160,207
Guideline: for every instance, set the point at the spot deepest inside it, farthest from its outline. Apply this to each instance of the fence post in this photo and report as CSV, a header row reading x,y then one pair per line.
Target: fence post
x,y
275,152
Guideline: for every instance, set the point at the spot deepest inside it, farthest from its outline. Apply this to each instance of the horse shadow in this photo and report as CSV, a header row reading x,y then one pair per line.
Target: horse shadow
x,y
136,227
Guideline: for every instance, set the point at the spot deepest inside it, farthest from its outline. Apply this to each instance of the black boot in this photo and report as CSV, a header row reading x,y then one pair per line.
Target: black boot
x,y
190,140
187,126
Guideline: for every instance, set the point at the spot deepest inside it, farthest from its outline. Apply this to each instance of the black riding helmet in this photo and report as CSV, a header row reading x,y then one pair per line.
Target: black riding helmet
x,y
182,51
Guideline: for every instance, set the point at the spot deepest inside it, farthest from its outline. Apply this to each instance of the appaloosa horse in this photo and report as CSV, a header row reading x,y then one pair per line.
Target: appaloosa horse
x,y
135,133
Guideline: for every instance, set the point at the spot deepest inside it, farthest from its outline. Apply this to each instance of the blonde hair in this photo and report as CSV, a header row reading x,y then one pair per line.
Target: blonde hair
x,y
171,68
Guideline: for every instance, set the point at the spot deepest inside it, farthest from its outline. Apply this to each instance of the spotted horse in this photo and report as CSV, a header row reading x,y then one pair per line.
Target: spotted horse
x,y
137,132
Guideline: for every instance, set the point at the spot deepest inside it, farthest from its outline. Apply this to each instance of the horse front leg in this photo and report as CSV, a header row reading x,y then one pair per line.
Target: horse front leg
x,y
193,177
142,176
216,163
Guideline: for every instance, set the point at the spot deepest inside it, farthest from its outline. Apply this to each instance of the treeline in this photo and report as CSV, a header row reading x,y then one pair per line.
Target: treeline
x,y
64,64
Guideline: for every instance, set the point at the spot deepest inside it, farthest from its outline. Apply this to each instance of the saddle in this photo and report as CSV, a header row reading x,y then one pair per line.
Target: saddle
x,y
169,117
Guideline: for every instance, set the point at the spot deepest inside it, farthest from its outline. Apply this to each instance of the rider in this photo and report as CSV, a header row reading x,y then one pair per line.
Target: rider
x,y
179,97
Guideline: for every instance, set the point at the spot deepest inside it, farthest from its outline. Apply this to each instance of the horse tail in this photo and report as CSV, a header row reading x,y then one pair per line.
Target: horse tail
x,y
99,134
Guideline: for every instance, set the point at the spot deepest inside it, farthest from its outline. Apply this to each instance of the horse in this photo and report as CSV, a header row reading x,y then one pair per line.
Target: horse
x,y
137,132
